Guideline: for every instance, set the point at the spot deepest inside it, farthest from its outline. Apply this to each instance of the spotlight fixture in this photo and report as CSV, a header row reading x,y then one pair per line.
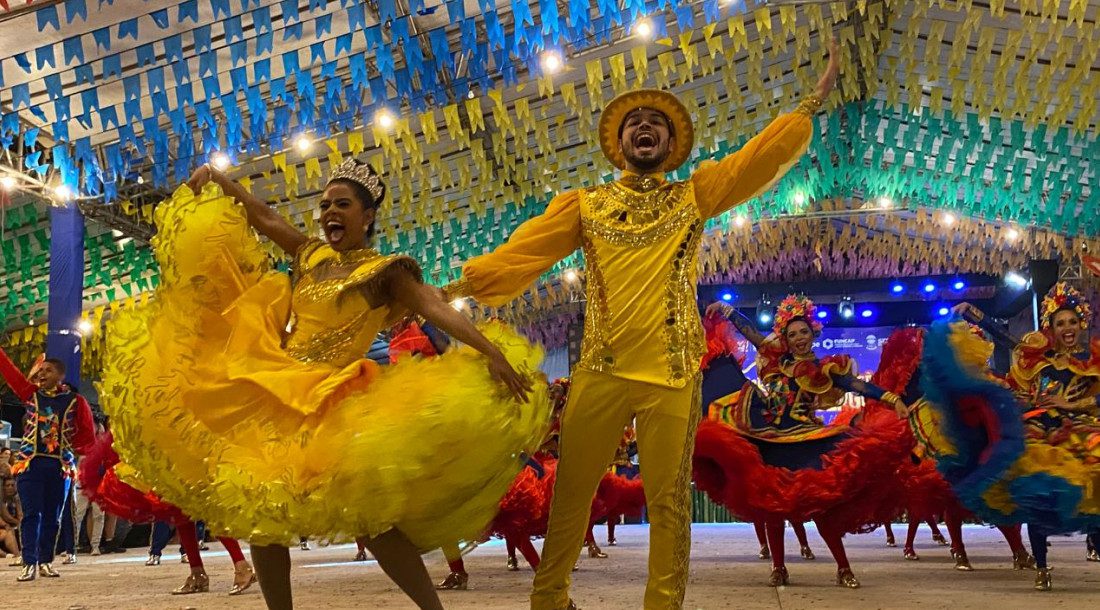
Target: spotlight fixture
x,y
846,308
765,311
1015,280
551,62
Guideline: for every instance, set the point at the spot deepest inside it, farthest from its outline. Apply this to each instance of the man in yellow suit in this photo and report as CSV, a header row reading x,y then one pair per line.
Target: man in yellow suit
x,y
643,340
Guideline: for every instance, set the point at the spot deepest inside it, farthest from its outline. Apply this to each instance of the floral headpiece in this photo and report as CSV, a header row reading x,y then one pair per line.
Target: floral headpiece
x,y
1064,296
793,307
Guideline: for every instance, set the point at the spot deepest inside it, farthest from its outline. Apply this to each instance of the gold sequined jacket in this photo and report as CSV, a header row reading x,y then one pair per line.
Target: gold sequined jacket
x,y
640,236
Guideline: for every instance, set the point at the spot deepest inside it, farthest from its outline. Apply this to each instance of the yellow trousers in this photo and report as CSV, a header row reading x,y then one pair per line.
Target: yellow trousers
x,y
599,407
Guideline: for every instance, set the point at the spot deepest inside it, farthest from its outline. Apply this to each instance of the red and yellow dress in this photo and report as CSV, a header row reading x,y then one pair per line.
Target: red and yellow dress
x,y
763,453
241,394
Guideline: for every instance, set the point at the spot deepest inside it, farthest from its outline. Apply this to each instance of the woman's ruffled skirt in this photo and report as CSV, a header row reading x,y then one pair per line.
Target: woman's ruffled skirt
x,y
855,488
997,471
426,446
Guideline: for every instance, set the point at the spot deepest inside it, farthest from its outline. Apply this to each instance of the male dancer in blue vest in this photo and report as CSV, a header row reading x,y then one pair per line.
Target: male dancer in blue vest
x,y
58,423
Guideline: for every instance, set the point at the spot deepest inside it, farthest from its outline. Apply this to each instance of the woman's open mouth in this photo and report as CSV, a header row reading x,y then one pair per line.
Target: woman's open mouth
x,y
334,231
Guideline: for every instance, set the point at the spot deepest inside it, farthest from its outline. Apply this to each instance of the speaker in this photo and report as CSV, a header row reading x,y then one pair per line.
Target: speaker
x,y
1044,274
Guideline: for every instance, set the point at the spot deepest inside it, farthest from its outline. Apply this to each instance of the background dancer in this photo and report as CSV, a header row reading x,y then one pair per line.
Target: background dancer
x,y
923,490
98,476
1016,454
766,455
58,426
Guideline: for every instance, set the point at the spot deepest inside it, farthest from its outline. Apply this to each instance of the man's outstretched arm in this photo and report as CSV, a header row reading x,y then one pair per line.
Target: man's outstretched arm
x,y
764,159
505,273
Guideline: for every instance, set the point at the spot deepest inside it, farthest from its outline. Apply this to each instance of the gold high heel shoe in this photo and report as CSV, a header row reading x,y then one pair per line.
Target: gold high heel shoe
x,y
513,564
195,583
807,553
243,578
454,582
845,578
1043,579
46,569
154,560
911,555
1023,561
764,554
779,577
939,539
595,552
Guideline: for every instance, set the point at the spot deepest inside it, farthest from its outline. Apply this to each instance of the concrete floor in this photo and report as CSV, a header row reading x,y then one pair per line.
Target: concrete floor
x,y
724,574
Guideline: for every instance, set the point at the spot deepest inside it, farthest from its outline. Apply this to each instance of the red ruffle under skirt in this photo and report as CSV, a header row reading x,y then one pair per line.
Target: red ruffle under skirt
x,y
855,490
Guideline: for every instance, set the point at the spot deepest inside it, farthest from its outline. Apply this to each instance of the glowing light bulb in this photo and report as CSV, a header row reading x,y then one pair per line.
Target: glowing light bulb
x,y
303,143
570,275
85,327
63,192
551,62
949,219
799,198
8,182
385,118
220,161
459,304
885,202
1012,235
740,220
644,29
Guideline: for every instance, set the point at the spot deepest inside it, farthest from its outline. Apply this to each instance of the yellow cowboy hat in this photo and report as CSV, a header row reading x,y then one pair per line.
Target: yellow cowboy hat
x,y
662,101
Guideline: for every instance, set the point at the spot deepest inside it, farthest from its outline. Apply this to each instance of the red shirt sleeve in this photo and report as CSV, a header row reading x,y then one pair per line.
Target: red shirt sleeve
x,y
18,382
83,433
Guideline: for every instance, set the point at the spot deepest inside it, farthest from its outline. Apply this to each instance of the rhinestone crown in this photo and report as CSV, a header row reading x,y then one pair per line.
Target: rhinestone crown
x,y
362,174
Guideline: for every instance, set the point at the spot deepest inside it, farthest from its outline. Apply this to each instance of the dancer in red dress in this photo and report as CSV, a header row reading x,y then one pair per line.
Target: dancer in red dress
x,y
767,457
100,482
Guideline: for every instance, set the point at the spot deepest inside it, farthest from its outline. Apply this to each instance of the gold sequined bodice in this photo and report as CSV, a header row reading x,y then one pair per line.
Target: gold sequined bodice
x,y
332,319
641,244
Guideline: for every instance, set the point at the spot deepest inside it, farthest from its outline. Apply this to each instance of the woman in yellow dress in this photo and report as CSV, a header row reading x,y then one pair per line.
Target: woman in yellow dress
x,y
262,377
